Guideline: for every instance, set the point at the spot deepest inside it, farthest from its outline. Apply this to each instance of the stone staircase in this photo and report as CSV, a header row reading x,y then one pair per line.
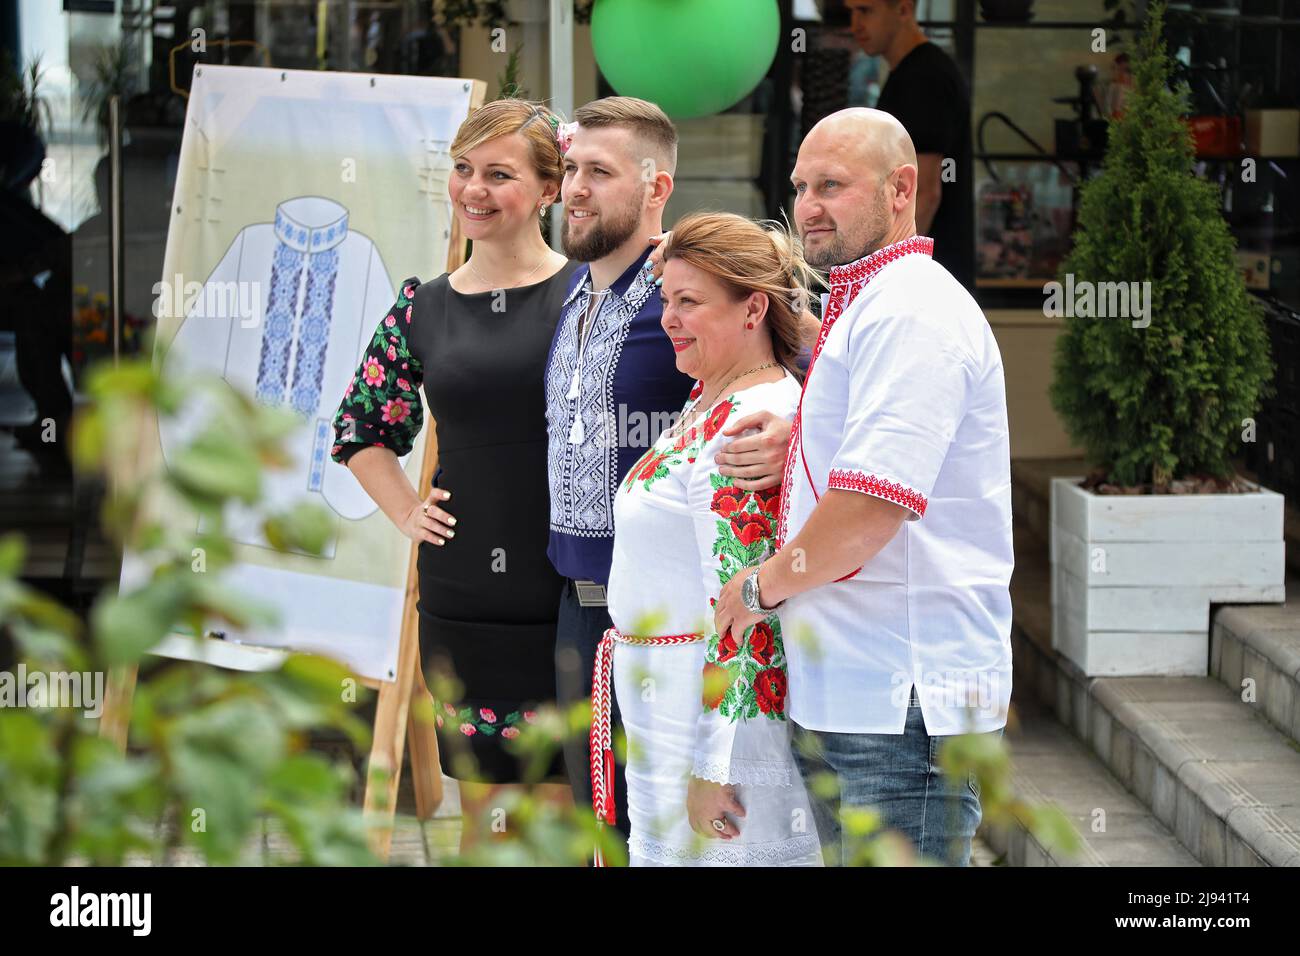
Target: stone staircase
x,y
1211,760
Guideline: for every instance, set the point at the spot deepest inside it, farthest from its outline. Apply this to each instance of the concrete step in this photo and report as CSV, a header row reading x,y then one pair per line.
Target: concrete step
x,y
1050,766
1255,652
1209,767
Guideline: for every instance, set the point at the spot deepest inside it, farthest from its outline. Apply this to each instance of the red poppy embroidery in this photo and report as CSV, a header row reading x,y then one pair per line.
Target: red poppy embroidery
x,y
769,690
717,418
769,500
728,500
762,643
651,466
756,660
751,528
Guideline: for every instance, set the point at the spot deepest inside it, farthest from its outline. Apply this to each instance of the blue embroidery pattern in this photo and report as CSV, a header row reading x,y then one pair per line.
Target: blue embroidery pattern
x,y
316,250
584,478
314,333
277,336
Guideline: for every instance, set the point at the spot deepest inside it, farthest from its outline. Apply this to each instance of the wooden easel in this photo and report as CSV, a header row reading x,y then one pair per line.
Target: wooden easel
x,y
395,720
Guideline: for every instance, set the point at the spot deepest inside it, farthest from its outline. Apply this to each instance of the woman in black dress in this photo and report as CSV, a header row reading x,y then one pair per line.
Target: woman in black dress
x,y
477,339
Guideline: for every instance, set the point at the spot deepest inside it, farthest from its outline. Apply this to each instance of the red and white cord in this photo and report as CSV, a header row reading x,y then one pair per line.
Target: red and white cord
x,y
601,738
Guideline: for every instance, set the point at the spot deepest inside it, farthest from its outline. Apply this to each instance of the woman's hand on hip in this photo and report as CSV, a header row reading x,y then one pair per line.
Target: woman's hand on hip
x,y
428,522
707,801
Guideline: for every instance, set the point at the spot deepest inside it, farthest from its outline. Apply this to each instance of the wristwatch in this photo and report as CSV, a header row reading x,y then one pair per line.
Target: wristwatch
x,y
750,597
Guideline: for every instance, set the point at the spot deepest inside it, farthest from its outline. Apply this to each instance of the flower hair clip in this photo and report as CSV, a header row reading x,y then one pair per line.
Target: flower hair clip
x,y
564,135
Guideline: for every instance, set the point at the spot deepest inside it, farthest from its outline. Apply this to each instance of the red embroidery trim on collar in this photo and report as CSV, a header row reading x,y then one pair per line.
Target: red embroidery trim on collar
x,y
865,268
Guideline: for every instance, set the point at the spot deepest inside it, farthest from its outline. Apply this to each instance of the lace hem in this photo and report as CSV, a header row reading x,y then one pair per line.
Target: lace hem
x,y
796,851
760,773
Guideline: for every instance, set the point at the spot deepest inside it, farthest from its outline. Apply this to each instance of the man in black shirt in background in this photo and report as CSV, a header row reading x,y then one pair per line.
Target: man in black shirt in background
x,y
928,95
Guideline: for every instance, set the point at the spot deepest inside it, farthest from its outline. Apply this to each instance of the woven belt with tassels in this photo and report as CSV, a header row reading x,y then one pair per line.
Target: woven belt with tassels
x,y
602,744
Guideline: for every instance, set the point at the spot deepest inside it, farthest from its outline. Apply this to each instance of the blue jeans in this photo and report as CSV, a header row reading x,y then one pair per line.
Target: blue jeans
x,y
897,776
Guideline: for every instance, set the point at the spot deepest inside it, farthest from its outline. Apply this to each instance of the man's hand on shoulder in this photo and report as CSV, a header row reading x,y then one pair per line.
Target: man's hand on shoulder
x,y
756,461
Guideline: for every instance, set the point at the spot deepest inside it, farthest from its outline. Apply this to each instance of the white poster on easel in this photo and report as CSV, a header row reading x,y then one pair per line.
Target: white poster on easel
x,y
302,200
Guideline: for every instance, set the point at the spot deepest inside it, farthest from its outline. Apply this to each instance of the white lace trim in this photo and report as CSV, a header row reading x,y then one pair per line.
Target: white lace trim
x,y
763,773
795,851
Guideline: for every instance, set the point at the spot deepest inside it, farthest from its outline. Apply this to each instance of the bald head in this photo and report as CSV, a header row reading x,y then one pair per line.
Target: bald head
x,y
869,139
855,180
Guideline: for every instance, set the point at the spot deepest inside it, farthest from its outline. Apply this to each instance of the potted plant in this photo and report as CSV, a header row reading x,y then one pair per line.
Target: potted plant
x,y
1160,396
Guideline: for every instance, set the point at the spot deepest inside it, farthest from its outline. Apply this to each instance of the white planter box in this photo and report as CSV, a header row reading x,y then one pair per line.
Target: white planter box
x,y
1133,576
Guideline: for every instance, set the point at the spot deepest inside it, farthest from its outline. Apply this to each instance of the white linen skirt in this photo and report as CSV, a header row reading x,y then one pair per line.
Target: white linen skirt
x,y
659,692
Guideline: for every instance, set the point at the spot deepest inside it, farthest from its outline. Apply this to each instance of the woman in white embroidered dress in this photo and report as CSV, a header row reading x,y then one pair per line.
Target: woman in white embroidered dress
x,y
711,779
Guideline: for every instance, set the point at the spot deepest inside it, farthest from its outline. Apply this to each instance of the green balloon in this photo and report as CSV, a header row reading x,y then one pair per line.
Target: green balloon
x,y
692,57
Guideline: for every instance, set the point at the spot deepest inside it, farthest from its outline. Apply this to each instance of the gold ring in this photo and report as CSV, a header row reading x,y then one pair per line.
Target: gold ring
x,y
425,509
719,825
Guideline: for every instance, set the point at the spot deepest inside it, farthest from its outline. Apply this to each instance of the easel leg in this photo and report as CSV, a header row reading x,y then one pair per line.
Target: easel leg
x,y
426,774
115,721
384,771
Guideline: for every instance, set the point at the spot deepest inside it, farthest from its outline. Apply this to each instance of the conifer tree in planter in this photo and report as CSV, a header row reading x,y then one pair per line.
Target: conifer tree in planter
x,y
1160,397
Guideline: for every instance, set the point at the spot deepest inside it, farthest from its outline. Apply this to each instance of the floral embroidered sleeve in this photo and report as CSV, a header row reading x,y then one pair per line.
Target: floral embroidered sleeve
x,y
742,734
381,405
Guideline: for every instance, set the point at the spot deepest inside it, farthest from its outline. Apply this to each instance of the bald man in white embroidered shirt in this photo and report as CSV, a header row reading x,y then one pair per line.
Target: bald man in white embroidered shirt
x,y
894,544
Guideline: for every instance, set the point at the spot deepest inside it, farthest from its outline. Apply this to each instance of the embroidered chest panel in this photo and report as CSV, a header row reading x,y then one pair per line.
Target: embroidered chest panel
x,y
584,474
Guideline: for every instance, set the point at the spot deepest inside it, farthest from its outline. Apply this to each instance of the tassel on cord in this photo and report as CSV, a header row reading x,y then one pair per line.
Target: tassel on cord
x,y
576,434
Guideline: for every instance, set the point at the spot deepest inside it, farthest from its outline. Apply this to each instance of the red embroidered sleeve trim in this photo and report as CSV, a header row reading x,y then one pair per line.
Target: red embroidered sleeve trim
x,y
871,485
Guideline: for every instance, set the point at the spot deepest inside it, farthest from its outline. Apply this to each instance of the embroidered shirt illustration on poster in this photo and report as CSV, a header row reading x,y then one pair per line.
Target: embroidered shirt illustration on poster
x,y
310,288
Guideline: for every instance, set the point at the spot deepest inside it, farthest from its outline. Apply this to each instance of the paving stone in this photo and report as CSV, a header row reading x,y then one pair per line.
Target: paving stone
x,y
1052,766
